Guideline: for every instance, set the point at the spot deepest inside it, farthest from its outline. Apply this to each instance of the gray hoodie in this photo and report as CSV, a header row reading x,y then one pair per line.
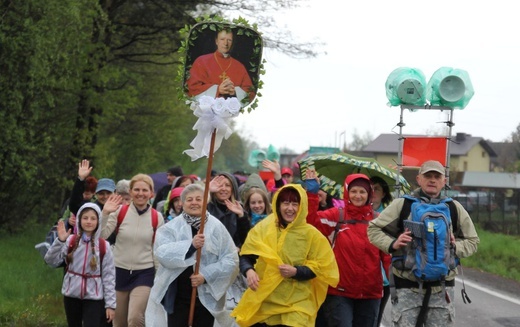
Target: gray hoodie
x,y
80,281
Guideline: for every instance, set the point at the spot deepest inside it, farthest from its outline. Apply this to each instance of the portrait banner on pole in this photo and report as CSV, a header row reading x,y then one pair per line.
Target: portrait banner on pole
x,y
220,79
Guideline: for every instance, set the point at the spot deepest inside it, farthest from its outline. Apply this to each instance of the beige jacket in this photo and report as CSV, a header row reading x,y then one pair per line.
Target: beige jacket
x,y
133,249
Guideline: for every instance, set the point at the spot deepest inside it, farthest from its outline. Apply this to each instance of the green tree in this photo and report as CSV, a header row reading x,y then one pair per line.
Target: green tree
x,y
96,79
41,58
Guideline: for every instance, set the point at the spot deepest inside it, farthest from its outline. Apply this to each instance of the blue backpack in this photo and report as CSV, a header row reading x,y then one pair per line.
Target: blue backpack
x,y
431,255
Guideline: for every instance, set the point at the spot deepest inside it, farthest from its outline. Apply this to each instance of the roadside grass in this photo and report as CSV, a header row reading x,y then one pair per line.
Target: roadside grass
x,y
497,254
30,291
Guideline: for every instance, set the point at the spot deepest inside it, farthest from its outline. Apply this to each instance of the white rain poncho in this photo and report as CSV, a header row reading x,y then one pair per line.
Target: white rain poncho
x,y
218,265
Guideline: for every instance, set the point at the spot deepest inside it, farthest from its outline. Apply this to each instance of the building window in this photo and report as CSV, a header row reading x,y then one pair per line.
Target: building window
x,y
465,166
483,154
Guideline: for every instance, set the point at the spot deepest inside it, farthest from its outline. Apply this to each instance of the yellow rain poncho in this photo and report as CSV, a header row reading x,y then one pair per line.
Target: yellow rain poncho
x,y
281,300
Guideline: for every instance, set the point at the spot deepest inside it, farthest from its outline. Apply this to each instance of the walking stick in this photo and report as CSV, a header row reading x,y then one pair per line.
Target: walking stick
x,y
202,221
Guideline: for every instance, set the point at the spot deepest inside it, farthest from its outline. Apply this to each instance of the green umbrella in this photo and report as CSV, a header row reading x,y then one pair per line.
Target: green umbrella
x,y
332,169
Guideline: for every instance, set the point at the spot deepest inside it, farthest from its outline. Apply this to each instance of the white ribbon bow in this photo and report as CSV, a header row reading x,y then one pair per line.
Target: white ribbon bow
x,y
214,114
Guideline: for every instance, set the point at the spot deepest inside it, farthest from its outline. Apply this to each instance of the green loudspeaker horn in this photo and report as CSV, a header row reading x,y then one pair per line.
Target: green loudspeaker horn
x,y
405,86
449,87
272,153
256,157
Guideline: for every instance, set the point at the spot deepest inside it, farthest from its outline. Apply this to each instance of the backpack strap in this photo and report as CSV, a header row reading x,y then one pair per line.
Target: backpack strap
x,y
454,215
343,221
155,222
69,249
102,250
121,216
405,212
340,222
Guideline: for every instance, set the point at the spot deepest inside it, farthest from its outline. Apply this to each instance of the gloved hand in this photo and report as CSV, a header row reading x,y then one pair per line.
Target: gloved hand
x,y
312,186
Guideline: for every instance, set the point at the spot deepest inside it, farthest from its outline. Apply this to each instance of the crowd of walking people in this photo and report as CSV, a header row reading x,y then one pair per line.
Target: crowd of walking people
x,y
253,253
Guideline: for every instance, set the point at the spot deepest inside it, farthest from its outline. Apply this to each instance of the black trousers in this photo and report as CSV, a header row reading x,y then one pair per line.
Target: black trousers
x,y
181,313
85,313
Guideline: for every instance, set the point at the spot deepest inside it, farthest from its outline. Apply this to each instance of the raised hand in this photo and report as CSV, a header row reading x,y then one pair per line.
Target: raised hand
x,y
217,183
63,234
311,174
84,169
235,207
273,166
113,202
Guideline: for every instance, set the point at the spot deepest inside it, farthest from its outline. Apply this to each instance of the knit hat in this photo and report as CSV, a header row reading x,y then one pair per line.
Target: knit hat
x,y
360,182
176,192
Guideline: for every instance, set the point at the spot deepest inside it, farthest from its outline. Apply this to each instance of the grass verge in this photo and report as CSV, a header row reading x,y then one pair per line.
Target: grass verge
x,y
30,290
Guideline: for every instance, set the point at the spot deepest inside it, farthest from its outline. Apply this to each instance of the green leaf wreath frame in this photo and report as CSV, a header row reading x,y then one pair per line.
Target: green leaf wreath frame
x,y
240,26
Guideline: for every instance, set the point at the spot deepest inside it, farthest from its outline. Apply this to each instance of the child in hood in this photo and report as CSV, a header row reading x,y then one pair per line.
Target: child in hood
x,y
89,282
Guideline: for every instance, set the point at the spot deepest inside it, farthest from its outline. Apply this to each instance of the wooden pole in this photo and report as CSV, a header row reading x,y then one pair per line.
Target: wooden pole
x,y
202,221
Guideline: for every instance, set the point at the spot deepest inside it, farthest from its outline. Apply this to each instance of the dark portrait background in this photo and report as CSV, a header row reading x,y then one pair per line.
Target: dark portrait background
x,y
243,50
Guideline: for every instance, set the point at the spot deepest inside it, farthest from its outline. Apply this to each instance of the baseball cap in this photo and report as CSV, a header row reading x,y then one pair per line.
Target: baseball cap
x,y
105,184
287,171
431,165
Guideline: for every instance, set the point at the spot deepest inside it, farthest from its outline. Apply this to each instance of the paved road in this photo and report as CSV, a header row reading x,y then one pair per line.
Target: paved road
x,y
495,301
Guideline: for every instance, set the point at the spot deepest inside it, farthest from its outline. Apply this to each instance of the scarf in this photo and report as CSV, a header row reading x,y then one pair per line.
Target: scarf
x,y
85,237
255,218
194,221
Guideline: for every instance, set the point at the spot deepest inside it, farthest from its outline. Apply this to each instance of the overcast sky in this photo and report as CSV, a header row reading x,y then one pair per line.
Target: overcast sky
x,y
323,101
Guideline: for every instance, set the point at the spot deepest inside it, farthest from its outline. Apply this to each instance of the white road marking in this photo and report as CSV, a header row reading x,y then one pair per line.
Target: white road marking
x,y
489,291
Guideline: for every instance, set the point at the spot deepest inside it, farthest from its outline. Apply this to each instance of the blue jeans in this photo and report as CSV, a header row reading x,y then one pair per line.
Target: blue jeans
x,y
342,311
